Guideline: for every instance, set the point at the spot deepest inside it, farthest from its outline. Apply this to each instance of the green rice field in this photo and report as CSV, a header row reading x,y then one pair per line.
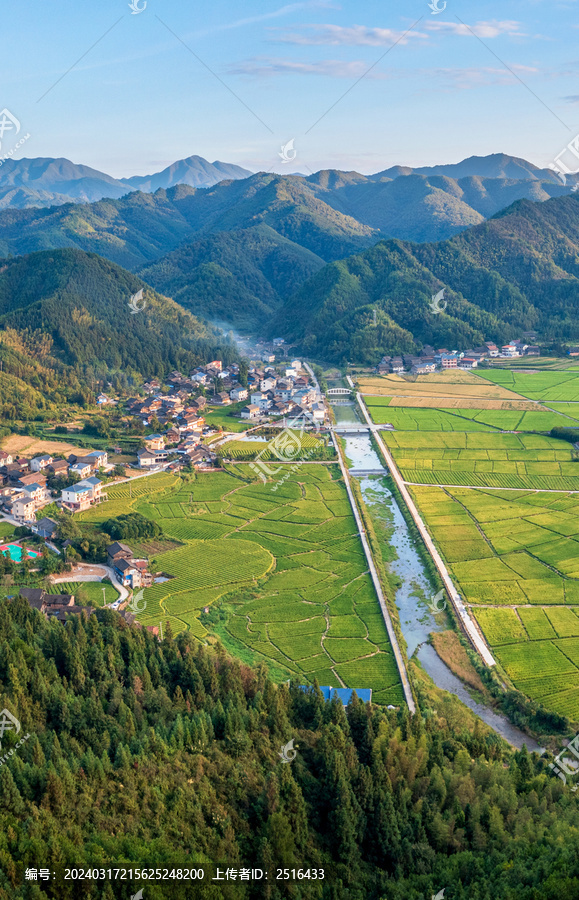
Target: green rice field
x,y
514,557
460,419
486,460
547,386
495,496
286,562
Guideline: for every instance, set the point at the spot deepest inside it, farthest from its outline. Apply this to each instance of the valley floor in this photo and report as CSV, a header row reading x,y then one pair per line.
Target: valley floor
x,y
500,499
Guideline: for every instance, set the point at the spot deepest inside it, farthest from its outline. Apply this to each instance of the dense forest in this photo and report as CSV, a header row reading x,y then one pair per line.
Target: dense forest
x,y
67,323
240,276
167,754
516,272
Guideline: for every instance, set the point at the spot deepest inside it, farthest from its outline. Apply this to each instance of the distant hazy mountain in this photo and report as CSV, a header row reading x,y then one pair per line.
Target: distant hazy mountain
x,y
420,207
44,182
52,182
407,211
496,165
195,171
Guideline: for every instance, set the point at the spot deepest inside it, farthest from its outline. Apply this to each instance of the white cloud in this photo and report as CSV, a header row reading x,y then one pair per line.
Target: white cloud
x,y
490,29
366,36
352,36
461,78
469,78
332,68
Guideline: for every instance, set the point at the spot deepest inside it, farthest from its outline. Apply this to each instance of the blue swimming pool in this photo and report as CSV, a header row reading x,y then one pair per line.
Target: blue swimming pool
x,y
15,552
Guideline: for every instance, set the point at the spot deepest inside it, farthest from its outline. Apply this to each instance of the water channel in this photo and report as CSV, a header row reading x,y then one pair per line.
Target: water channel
x,y
416,619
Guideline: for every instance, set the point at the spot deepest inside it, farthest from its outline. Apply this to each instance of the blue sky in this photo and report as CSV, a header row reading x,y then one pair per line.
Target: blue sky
x,y
357,85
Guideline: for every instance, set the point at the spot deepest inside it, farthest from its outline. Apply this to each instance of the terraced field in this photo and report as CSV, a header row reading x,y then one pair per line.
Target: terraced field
x,y
290,445
288,565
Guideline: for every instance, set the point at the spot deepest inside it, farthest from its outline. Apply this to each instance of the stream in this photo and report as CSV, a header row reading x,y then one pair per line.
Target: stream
x,y
403,559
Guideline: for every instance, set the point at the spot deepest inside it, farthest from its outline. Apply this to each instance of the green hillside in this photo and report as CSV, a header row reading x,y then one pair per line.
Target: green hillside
x,y
516,272
234,276
65,319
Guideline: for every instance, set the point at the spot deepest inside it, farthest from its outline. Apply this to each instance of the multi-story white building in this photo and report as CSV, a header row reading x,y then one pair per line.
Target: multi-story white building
x,y
82,495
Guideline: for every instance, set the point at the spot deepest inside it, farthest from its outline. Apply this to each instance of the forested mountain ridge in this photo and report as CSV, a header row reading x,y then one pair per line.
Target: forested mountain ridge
x,y
518,271
66,317
240,277
130,231
167,754
331,213
139,228
237,251
417,205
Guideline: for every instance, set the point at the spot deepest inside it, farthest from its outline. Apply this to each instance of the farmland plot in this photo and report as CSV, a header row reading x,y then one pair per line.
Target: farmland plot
x,y
524,589
531,461
498,508
545,386
287,564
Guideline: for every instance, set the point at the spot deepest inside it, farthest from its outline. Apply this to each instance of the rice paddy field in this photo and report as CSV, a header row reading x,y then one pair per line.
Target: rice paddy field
x,y
453,384
528,418
495,494
514,557
286,562
546,386
484,459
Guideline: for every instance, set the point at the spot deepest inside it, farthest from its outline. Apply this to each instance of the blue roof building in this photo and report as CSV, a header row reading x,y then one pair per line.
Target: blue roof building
x,y
343,694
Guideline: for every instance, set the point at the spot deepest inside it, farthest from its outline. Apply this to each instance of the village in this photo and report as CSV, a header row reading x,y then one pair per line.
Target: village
x,y
175,421
430,360
180,409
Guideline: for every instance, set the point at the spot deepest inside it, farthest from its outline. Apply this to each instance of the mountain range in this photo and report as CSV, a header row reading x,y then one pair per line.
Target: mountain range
x,y
52,182
518,271
311,258
197,241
